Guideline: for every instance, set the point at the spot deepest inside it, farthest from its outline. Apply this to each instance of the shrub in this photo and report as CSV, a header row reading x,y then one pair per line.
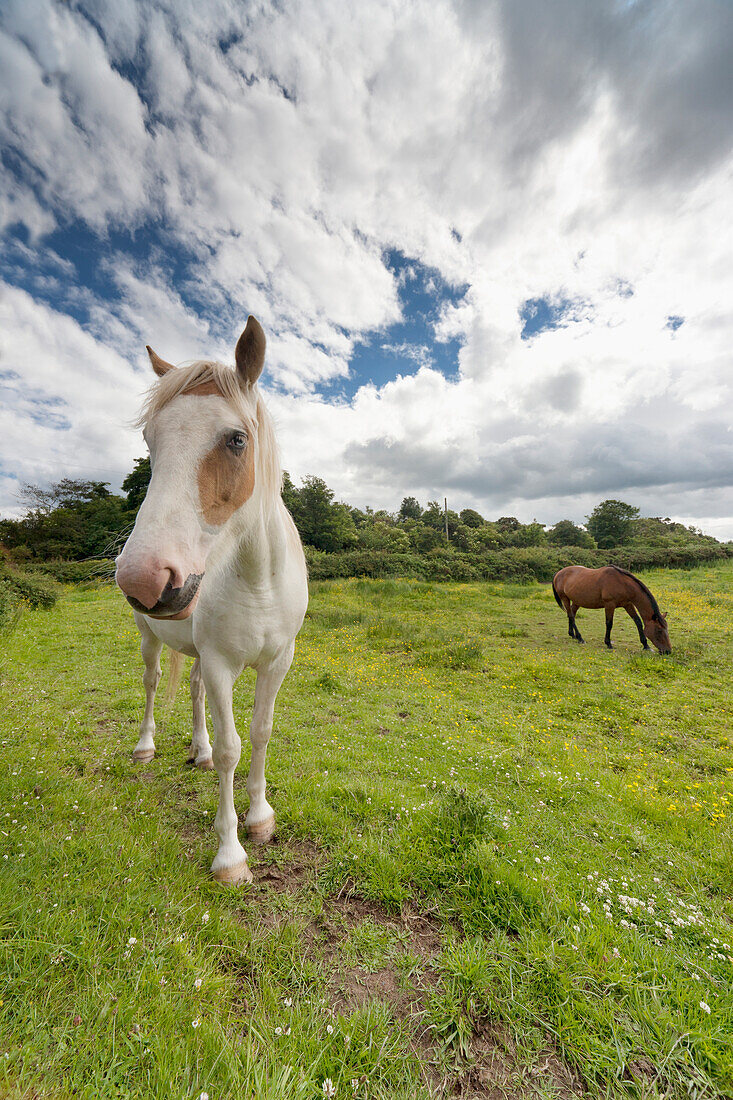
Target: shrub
x,y
504,565
519,565
9,606
668,557
362,563
77,572
443,564
29,588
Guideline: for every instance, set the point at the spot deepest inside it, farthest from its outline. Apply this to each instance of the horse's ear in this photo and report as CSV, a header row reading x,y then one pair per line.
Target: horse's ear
x,y
159,365
250,353
664,614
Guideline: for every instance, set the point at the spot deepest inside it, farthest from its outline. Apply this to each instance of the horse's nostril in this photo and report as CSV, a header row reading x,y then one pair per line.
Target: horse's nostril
x,y
167,594
172,600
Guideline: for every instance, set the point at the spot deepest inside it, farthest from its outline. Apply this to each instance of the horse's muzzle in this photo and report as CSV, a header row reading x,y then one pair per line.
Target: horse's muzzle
x,y
172,601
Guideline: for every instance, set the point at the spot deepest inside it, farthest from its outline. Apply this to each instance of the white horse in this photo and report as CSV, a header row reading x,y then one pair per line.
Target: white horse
x,y
214,568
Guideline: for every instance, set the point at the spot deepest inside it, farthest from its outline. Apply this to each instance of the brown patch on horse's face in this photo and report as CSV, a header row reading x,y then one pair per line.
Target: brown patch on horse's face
x,y
205,389
226,480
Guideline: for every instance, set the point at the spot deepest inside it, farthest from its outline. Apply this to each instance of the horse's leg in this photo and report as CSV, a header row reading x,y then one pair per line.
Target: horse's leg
x,y
609,626
199,751
568,612
260,820
638,624
573,611
230,861
150,647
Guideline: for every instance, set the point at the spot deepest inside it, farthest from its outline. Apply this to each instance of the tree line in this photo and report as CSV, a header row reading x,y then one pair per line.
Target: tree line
x,y
76,521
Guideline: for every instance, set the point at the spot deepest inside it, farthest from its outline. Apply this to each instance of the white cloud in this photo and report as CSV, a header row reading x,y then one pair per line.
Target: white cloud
x,y
545,150
67,399
78,124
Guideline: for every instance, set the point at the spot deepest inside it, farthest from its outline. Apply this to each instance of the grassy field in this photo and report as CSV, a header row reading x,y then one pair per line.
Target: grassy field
x,y
503,867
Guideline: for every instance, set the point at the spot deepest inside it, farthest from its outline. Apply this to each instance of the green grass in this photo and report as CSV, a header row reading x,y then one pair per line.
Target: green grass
x,y
504,861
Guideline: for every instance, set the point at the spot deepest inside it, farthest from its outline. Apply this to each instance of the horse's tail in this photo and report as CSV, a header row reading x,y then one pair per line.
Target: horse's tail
x,y
175,670
558,601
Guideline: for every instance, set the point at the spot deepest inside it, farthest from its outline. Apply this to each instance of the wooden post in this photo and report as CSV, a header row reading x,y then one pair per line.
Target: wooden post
x,y
445,513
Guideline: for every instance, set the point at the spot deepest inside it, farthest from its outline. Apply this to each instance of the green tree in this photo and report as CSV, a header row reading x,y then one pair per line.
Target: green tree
x,y
136,483
63,494
290,496
526,534
383,536
611,523
567,533
410,508
424,538
322,522
81,528
433,515
472,518
655,531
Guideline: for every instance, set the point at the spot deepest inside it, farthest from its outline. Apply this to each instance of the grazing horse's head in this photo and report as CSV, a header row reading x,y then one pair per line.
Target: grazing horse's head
x,y
657,632
210,442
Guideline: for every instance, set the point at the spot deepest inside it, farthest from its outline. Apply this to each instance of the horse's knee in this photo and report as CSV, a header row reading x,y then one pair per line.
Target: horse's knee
x,y
226,754
151,677
260,736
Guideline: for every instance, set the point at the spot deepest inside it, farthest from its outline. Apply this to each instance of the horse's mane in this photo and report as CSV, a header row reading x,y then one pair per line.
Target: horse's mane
x,y
248,405
657,614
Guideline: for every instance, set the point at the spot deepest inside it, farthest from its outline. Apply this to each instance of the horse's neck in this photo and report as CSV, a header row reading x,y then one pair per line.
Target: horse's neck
x,y
642,602
258,545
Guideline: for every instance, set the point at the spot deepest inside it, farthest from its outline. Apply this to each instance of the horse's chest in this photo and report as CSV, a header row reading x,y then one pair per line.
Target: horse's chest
x,y
176,634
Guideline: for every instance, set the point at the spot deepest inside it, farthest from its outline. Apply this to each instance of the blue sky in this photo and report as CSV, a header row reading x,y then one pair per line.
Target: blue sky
x,y
403,347
489,244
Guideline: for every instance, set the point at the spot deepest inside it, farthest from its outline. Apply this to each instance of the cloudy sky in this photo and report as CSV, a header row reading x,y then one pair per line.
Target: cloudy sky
x,y
490,242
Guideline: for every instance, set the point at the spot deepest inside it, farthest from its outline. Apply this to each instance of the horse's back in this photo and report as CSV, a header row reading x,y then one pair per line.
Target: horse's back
x,y
581,585
571,573
591,588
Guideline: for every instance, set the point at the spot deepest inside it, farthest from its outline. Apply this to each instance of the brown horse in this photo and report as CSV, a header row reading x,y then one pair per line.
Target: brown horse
x,y
611,587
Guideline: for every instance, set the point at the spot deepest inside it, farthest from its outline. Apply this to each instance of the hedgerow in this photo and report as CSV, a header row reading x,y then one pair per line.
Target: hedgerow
x,y
520,564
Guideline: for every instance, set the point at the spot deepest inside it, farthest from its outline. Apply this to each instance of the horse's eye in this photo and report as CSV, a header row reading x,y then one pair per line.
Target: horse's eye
x,y
237,442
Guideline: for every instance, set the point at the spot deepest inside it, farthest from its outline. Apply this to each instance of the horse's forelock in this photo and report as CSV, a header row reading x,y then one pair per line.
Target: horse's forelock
x,y
207,377
185,380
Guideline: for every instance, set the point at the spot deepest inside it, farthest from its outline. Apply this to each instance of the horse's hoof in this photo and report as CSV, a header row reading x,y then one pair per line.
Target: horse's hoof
x,y
235,875
206,765
262,831
143,756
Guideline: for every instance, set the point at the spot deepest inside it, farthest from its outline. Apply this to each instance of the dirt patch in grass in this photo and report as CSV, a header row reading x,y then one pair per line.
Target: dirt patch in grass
x,y
642,1071
494,1072
353,987
419,930
295,867
493,1069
